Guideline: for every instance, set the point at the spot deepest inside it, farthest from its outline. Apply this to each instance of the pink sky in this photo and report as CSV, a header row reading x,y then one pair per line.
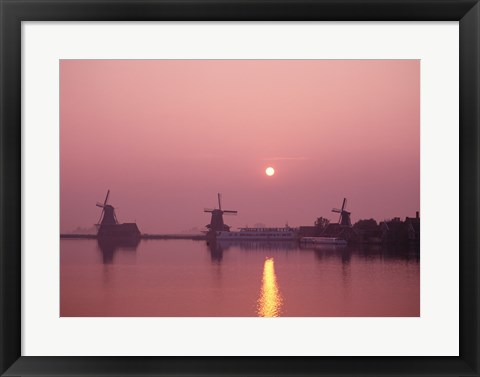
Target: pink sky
x,y
166,135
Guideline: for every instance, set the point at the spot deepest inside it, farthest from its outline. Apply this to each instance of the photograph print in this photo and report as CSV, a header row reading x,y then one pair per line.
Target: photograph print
x,y
239,188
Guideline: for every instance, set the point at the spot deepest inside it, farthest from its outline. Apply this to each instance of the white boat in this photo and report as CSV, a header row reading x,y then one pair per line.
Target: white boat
x,y
323,240
272,234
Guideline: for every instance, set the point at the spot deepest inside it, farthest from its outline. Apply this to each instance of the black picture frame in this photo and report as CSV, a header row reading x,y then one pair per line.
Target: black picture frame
x,y
13,12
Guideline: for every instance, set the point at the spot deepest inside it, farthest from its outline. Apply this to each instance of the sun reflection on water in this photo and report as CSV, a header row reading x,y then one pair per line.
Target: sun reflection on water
x,y
270,300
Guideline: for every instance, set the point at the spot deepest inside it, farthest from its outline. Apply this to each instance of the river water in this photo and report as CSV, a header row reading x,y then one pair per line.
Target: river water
x,y
184,278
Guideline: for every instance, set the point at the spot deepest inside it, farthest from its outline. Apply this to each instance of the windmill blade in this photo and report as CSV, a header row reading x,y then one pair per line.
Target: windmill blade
x,y
229,211
336,210
101,215
340,219
99,205
219,201
208,210
344,205
106,198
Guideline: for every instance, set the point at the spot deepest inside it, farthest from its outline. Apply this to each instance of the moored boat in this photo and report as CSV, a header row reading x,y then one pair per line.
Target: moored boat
x,y
323,240
272,234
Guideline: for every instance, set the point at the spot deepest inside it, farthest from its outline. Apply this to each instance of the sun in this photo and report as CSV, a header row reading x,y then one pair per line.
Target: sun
x,y
270,171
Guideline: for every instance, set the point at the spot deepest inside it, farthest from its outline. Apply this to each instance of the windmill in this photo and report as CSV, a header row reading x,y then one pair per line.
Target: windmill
x,y
216,222
109,229
344,219
107,217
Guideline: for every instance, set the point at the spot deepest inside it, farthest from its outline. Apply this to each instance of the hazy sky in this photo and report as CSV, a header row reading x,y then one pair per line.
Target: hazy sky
x,y
166,135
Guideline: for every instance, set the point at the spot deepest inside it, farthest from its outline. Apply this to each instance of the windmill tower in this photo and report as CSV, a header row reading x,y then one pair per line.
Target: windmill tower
x,y
344,219
216,222
107,217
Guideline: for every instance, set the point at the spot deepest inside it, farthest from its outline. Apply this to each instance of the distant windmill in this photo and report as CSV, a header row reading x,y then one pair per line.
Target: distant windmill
x,y
344,219
107,217
216,222
109,229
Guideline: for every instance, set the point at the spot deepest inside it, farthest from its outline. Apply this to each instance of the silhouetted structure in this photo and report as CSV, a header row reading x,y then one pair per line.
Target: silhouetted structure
x,y
316,230
344,219
343,229
216,222
110,228
308,231
397,232
394,231
368,231
413,228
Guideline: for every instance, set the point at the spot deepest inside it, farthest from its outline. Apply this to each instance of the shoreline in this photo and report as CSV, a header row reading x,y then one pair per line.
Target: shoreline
x,y
199,237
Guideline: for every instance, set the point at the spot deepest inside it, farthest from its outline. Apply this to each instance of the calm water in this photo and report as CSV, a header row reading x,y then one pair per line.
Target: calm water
x,y
182,278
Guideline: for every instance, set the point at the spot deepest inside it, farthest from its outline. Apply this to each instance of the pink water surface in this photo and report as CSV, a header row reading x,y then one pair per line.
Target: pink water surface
x,y
182,278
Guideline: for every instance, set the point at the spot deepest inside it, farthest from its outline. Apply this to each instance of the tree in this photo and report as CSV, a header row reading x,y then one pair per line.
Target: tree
x,y
321,223
369,224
